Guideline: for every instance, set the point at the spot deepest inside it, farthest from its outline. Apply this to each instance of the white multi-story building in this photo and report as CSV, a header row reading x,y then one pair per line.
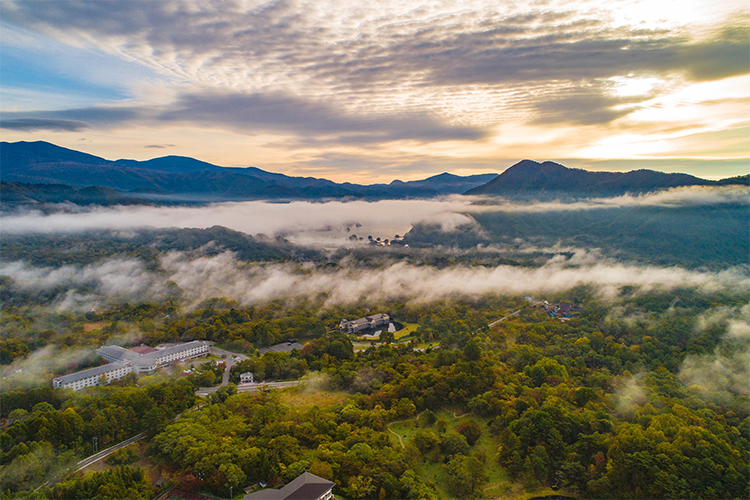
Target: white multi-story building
x,y
121,361
147,360
93,376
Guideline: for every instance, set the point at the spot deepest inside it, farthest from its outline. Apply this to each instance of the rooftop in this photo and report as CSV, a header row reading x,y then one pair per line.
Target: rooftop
x,y
143,349
305,487
144,355
91,372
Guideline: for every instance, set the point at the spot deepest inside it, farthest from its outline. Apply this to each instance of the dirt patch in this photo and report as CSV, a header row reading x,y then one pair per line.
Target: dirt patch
x,y
90,327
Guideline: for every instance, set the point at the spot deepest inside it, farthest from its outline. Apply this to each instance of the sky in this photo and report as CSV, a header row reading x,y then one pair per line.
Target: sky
x,y
374,91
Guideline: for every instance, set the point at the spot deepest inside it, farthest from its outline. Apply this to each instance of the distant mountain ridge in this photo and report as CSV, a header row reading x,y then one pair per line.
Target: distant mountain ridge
x,y
187,179
12,193
530,177
183,179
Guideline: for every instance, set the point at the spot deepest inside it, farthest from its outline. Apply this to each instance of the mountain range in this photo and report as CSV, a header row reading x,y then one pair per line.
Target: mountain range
x,y
43,172
187,179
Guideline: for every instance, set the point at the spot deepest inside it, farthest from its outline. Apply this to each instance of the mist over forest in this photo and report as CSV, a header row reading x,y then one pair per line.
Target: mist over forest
x,y
660,283
384,250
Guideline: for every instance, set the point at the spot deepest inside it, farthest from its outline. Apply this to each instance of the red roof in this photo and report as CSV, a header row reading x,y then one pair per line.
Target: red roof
x,y
143,349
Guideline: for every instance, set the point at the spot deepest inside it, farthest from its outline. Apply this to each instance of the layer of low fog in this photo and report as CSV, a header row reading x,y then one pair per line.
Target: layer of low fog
x,y
195,279
727,370
330,224
718,376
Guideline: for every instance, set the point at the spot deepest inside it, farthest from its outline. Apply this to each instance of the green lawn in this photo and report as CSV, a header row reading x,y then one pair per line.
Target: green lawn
x,y
407,330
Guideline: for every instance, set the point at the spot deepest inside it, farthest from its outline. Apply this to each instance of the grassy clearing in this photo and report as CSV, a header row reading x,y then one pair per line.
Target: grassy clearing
x,y
407,330
405,429
433,472
300,396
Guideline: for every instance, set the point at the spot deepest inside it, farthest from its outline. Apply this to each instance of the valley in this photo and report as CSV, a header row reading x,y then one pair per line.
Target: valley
x,y
590,347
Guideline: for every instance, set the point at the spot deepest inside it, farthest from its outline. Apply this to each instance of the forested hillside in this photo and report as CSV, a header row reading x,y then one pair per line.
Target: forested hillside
x,y
612,404
713,236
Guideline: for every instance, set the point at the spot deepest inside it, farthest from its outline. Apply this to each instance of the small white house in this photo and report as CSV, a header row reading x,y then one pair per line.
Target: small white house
x,y
246,378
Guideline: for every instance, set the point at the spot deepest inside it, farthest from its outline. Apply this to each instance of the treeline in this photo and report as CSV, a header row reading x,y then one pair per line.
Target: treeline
x,y
39,443
147,245
120,482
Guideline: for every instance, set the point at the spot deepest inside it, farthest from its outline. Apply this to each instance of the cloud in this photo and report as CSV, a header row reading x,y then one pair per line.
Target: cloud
x,y
34,369
223,275
82,288
300,222
585,106
32,124
330,224
630,393
309,119
673,197
717,376
367,62
286,113
726,371
486,44
72,119
581,53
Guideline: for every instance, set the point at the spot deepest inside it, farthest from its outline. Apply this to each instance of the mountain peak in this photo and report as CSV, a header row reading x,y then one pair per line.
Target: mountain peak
x,y
529,176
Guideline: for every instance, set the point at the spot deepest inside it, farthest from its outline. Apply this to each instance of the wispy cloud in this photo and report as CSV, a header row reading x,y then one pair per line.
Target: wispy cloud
x,y
31,124
224,276
358,76
36,368
255,113
331,224
726,370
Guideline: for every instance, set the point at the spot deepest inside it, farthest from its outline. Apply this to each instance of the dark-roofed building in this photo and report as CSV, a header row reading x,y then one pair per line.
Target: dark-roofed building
x,y
364,323
305,487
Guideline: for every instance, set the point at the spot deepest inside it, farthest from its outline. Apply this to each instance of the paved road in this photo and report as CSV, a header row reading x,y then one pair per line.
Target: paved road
x,y
105,453
516,313
205,391
270,385
231,359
